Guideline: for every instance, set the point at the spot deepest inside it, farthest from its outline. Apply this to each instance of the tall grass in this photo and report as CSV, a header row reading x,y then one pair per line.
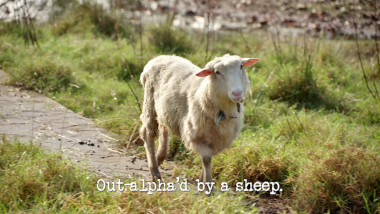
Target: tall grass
x,y
299,82
79,18
166,40
36,181
43,74
310,122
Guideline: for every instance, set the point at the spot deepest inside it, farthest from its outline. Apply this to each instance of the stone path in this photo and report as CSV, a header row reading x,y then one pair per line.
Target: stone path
x,y
30,116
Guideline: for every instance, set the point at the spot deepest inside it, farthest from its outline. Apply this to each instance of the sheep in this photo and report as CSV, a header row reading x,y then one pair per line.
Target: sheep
x,y
202,106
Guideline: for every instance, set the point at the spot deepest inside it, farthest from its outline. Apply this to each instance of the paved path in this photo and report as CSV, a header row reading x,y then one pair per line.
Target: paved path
x,y
29,116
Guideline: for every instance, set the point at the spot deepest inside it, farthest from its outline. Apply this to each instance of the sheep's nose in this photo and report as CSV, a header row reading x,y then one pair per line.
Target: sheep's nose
x,y
237,93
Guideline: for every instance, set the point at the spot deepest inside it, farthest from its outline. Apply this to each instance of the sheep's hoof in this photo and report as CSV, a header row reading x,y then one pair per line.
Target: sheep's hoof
x,y
160,160
208,192
212,193
155,175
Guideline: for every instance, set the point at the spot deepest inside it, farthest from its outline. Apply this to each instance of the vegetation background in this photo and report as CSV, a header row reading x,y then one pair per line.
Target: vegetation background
x,y
312,117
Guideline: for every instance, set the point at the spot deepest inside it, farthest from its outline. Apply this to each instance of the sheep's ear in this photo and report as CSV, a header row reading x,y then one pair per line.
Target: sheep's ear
x,y
204,72
249,61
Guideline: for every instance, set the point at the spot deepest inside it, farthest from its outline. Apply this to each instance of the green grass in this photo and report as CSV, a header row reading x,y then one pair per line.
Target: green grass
x,y
36,181
310,122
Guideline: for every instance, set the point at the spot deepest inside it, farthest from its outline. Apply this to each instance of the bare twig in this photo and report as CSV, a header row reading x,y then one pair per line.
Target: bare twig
x,y
134,94
30,33
133,133
360,58
299,121
52,12
287,120
375,41
140,32
276,44
115,26
377,47
245,42
124,64
172,17
32,122
208,34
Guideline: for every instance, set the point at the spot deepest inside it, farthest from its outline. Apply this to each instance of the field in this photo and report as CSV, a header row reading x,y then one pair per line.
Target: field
x,y
310,121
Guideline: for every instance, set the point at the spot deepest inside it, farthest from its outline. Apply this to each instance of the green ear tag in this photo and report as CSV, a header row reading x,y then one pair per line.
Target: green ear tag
x,y
221,117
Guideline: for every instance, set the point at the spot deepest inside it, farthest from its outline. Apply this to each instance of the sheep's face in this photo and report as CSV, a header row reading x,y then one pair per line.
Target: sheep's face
x,y
228,76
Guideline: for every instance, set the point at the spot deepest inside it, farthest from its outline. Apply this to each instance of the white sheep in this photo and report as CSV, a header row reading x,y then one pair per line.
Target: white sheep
x,y
202,106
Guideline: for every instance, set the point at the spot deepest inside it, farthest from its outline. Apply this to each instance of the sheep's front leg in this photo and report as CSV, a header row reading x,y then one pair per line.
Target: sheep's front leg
x,y
206,169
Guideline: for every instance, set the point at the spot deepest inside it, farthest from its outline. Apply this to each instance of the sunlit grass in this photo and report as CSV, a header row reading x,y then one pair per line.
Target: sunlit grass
x,y
35,181
310,122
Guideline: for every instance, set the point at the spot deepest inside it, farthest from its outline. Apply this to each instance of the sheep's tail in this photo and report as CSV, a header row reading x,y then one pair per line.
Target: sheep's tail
x,y
143,76
149,69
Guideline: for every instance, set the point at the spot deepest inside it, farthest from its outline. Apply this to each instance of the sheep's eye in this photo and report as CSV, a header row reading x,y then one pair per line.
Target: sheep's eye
x,y
217,72
241,66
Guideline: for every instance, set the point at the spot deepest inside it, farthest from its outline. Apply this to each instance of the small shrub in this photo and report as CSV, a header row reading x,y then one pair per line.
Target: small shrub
x,y
89,16
167,40
251,165
45,75
299,87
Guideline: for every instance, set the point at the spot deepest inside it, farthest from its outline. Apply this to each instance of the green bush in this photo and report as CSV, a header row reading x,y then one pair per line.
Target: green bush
x,y
167,40
300,87
46,74
92,17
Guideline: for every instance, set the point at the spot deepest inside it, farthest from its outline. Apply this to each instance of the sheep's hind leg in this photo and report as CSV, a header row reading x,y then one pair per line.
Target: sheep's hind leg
x,y
148,136
163,146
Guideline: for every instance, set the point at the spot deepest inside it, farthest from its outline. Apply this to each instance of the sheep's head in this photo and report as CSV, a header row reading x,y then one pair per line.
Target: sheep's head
x,y
228,75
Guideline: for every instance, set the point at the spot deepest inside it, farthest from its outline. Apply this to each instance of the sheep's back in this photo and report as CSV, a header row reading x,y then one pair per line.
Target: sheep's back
x,y
171,79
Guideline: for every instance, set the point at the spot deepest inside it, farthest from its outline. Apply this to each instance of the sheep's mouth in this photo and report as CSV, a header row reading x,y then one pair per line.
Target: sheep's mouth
x,y
236,99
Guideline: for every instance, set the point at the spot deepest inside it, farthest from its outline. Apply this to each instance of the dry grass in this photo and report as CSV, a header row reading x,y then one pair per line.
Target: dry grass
x,y
345,181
